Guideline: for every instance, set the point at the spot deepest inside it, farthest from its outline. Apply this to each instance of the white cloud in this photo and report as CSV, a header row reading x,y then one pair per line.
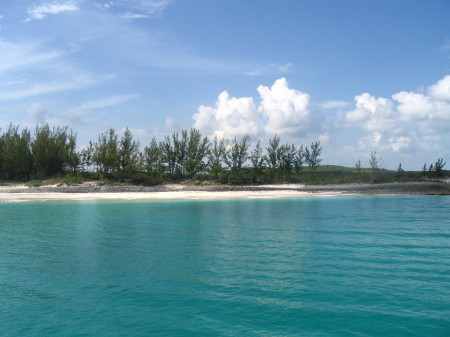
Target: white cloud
x,y
441,90
376,114
36,113
404,122
285,109
230,117
282,111
40,11
413,106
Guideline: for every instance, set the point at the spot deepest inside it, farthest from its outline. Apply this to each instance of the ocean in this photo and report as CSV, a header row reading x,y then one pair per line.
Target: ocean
x,y
307,266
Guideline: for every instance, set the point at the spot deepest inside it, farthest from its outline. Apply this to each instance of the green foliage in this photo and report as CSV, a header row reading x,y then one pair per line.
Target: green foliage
x,y
287,159
237,155
129,155
50,156
153,159
439,166
71,179
312,156
216,156
196,151
299,159
34,183
15,154
53,150
106,152
273,157
258,160
376,163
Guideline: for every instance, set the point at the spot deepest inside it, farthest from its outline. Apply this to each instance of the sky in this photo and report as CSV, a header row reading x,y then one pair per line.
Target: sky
x,y
357,75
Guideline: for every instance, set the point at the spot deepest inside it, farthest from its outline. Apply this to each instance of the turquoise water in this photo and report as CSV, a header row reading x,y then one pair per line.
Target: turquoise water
x,y
311,266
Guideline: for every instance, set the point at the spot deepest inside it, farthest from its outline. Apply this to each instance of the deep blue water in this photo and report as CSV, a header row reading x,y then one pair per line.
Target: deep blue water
x,y
310,266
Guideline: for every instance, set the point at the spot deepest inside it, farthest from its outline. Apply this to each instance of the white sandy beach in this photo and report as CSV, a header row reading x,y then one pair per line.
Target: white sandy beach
x,y
91,191
149,195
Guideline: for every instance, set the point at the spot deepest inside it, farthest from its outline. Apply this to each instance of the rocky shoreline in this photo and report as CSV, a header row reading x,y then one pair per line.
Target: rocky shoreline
x,y
431,188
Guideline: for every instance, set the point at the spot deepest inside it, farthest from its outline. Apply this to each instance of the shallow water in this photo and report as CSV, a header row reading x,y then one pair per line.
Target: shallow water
x,y
309,266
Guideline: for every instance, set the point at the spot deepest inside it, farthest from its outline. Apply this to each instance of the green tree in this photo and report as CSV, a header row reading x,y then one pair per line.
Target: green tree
x,y
424,168
72,158
312,156
376,163
129,152
216,156
400,171
258,161
287,159
439,166
237,155
106,152
153,159
273,157
299,159
49,150
86,156
196,150
16,160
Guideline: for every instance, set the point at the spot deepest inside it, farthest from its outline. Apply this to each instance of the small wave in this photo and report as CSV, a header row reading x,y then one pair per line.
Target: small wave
x,y
13,200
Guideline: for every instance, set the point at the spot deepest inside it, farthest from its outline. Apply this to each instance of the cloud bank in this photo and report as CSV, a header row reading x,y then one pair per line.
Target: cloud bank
x,y
281,110
406,121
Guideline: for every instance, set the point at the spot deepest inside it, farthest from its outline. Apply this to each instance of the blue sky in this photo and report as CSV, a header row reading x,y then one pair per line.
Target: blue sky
x,y
358,75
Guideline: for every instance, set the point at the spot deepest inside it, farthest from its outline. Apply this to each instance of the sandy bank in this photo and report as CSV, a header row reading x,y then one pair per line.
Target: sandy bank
x,y
179,191
148,195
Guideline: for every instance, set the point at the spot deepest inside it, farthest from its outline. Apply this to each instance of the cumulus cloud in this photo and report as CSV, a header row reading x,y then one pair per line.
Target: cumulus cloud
x,y
441,90
230,117
40,11
405,120
412,106
282,111
286,110
376,114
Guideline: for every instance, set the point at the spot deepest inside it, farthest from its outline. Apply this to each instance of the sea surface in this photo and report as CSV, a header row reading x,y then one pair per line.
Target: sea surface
x,y
307,266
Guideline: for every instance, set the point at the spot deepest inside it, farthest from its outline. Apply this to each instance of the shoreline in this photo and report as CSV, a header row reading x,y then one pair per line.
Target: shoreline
x,y
188,195
91,191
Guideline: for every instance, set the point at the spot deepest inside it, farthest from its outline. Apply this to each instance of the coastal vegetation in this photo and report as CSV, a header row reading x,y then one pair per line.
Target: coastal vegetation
x,y
51,153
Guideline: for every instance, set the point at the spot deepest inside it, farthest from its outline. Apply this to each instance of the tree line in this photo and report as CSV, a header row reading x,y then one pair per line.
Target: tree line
x,y
49,152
